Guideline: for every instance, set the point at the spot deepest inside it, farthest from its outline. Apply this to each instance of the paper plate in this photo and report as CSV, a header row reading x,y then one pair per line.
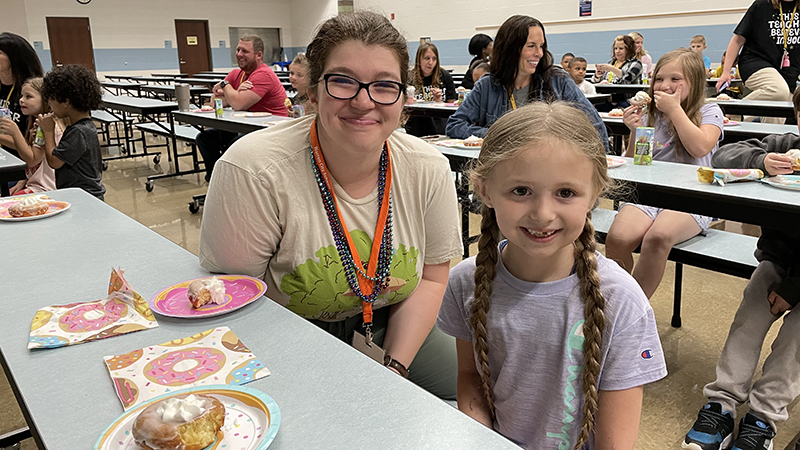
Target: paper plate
x,y
449,142
466,147
203,110
731,123
240,290
614,161
605,115
55,208
791,182
252,419
251,114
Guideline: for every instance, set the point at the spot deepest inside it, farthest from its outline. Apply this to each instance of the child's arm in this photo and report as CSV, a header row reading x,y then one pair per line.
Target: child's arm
x,y
632,117
10,129
48,124
698,141
617,419
471,400
765,154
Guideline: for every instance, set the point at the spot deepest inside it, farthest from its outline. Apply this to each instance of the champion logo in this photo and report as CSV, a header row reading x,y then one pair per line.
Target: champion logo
x,y
647,354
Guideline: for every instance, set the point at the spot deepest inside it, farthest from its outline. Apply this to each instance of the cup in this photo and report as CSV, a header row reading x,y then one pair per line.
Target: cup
x,y
182,96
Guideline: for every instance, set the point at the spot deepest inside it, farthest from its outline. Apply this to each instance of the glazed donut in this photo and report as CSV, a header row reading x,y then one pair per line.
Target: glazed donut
x,y
75,320
794,154
177,368
29,207
186,422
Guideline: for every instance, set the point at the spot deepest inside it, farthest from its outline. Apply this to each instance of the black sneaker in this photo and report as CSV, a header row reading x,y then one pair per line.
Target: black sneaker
x,y
754,434
713,429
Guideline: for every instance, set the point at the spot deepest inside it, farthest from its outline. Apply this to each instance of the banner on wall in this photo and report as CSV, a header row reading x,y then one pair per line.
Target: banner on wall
x,y
585,8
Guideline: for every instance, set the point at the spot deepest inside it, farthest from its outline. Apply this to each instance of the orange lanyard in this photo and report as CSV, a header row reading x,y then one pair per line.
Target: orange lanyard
x,y
241,79
366,285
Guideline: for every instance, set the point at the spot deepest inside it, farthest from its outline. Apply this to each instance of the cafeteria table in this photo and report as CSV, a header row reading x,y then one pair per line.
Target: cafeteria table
x,y
11,169
211,72
208,82
627,90
170,75
157,80
118,77
167,92
210,76
132,89
433,109
769,108
675,186
330,395
146,108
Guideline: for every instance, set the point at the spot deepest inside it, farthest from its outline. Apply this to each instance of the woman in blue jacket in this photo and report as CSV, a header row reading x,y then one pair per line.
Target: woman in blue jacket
x,y
522,72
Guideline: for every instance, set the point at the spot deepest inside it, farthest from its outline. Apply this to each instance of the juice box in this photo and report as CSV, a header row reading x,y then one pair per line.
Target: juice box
x,y
218,107
645,140
298,111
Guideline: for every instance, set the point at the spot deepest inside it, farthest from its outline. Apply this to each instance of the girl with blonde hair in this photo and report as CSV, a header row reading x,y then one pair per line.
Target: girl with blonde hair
x,y
554,341
641,53
687,130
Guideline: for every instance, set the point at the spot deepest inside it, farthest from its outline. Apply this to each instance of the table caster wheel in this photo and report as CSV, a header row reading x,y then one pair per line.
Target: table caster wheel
x,y
105,166
149,186
194,207
157,158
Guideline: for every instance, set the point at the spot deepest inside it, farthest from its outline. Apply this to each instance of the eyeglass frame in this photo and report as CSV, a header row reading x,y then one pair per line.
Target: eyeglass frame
x,y
364,86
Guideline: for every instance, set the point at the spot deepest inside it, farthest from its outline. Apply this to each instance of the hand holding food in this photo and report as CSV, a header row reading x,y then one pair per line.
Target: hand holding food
x,y
641,99
632,117
47,122
779,164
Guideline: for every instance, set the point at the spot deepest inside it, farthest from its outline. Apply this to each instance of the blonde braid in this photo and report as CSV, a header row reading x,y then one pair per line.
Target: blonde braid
x,y
485,271
594,305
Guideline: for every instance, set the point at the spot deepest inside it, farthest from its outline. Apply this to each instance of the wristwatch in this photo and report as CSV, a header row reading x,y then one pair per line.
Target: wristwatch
x,y
222,84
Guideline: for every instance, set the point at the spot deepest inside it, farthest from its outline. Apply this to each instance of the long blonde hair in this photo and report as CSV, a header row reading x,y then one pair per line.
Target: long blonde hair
x,y
35,83
507,138
641,52
694,71
435,81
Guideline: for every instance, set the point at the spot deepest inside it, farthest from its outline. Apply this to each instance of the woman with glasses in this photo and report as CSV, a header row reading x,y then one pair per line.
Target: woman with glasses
x,y
351,225
522,72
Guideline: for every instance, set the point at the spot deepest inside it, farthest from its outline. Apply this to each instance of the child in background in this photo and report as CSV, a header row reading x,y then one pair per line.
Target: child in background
x,y
73,92
771,294
298,76
480,69
687,130
566,59
698,45
735,92
554,341
39,176
641,53
577,70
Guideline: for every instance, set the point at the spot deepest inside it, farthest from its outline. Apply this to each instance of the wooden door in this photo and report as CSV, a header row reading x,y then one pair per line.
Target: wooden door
x,y
194,49
70,41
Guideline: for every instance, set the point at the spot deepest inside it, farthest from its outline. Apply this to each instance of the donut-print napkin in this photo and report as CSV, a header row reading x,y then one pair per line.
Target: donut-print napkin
x,y
215,356
123,311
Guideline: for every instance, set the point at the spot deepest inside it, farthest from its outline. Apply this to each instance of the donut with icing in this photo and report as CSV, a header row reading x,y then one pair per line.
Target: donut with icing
x,y
641,99
185,422
40,319
122,361
206,290
616,112
126,391
92,316
29,207
233,343
48,341
184,366
188,340
794,154
244,372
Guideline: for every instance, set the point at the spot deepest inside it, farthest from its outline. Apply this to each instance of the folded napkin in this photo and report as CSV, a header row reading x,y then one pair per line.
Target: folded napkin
x,y
215,356
721,176
123,311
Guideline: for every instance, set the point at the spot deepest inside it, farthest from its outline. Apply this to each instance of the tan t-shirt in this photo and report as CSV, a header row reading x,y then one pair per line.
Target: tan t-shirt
x,y
264,217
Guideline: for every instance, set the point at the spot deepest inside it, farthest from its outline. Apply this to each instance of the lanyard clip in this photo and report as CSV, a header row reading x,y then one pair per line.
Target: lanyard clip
x,y
368,334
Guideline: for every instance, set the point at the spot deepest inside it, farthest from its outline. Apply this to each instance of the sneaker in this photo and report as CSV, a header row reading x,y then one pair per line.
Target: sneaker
x,y
713,429
754,434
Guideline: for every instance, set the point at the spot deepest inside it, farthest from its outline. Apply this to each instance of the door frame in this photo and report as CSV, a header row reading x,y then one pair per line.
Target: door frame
x,y
208,41
50,39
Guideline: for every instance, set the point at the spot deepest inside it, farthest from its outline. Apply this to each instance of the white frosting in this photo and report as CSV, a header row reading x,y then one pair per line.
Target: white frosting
x,y
474,139
31,201
217,289
181,410
641,97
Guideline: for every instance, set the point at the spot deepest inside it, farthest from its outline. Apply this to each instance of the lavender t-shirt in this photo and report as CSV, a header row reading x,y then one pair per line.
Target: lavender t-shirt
x,y
535,337
665,143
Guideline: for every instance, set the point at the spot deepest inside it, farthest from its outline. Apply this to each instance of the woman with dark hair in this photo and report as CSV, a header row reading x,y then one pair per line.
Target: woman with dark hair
x,y
18,62
623,68
480,46
522,72
431,83
351,224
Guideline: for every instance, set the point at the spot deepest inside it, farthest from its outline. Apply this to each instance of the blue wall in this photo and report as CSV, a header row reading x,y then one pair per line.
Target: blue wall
x,y
595,46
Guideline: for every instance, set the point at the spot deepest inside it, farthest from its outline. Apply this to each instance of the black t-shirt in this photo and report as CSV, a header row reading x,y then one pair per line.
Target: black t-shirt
x,y
467,82
9,99
763,47
83,163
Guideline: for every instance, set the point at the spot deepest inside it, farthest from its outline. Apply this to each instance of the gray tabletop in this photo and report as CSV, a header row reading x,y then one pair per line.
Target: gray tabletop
x,y
162,80
228,122
210,82
170,89
170,75
210,76
757,107
11,169
675,186
330,396
137,105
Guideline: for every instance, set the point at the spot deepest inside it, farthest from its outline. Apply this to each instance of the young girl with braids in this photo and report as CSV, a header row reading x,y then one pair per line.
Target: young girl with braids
x,y
554,341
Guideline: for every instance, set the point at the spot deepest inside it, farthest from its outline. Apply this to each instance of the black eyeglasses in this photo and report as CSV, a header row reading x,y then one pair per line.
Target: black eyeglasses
x,y
343,87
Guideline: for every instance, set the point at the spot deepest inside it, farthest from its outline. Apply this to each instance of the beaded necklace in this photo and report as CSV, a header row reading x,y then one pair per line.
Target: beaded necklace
x,y
368,284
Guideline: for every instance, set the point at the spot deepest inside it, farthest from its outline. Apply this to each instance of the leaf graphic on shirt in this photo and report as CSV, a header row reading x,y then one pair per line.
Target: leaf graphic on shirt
x,y
319,288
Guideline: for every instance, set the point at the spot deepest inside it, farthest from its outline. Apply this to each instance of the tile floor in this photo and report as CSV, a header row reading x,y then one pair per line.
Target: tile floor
x,y
670,405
